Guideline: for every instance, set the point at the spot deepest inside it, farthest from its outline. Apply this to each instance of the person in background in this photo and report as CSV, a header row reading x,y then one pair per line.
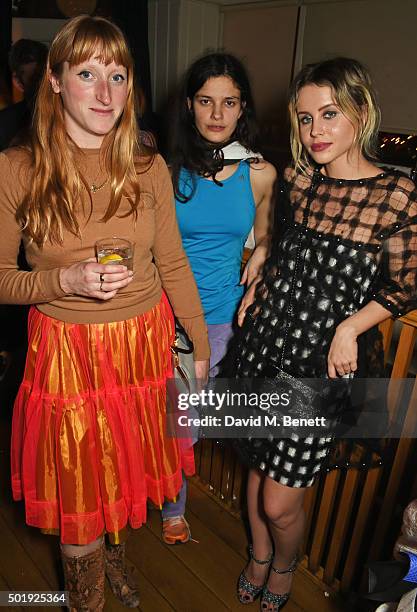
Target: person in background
x,y
89,445
27,59
343,259
223,188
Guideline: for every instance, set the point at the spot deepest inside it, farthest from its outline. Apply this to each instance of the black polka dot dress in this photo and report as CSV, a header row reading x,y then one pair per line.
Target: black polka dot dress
x,y
337,245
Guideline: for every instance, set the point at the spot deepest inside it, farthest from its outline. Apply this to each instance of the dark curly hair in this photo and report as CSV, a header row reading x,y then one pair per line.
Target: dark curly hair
x,y
188,149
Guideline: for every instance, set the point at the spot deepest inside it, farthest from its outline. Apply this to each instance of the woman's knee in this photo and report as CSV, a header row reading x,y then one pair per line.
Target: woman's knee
x,y
282,516
282,505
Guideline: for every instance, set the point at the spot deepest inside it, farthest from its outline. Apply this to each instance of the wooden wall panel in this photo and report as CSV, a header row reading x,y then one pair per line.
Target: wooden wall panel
x,y
264,38
179,31
380,33
199,31
163,19
42,30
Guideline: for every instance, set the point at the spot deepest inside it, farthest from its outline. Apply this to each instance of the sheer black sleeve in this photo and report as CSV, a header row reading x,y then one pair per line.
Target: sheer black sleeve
x,y
398,285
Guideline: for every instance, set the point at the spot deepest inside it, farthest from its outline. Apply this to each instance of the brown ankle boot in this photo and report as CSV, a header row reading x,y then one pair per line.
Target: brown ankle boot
x,y
120,578
84,579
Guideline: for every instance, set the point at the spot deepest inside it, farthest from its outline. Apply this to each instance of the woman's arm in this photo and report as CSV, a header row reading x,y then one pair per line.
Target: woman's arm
x,y
173,267
343,354
262,176
18,286
37,287
396,293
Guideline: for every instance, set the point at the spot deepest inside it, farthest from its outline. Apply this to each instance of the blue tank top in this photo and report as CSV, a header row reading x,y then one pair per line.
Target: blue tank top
x,y
214,226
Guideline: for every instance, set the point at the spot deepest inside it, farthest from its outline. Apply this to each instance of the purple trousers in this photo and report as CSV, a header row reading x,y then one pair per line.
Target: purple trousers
x,y
219,337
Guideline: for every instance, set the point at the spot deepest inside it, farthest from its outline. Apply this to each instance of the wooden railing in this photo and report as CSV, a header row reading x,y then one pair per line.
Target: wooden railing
x,y
353,515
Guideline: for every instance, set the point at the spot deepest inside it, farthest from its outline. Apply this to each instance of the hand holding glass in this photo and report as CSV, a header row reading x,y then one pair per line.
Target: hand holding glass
x,y
115,250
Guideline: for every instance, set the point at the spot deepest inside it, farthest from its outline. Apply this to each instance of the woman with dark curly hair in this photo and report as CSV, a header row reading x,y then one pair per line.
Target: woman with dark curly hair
x,y
223,187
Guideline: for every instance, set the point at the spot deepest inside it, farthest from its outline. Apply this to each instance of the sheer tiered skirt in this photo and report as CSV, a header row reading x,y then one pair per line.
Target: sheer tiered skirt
x,y
89,445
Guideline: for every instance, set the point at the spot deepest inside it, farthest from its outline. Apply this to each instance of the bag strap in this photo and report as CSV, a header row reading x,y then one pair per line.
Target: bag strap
x,y
179,349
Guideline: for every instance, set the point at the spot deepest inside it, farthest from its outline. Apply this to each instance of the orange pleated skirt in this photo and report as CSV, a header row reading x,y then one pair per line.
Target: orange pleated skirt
x,y
89,445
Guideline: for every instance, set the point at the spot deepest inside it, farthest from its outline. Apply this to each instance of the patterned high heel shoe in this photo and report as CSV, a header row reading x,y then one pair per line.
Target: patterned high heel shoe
x,y
247,592
277,600
120,576
84,580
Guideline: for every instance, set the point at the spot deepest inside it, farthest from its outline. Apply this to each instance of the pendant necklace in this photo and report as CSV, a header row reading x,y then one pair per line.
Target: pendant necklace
x,y
94,188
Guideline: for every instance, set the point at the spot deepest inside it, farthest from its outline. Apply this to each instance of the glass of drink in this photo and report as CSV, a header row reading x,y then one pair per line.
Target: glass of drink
x,y
116,251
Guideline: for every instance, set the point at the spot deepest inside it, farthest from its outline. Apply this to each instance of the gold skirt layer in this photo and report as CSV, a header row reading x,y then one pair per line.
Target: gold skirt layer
x,y
89,445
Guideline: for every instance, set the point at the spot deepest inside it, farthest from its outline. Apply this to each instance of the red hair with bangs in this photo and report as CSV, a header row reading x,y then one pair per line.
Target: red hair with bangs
x,y
57,184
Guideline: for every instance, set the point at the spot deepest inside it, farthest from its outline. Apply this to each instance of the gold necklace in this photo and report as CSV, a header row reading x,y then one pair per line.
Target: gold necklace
x,y
94,188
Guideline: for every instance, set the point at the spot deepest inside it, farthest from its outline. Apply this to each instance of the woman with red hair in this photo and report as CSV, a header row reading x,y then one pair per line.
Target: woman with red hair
x,y
89,445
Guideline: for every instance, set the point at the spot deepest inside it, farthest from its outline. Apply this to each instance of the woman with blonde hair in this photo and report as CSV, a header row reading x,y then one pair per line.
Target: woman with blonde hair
x,y
344,258
89,445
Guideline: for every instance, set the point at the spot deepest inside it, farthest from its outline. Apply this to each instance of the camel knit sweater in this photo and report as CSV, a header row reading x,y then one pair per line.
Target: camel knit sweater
x,y
159,260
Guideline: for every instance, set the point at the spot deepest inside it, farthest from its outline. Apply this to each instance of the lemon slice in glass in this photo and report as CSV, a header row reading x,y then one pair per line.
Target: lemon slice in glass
x,y
113,258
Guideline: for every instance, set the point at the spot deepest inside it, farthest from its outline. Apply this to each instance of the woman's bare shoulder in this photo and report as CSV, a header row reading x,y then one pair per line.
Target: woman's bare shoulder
x,y
263,173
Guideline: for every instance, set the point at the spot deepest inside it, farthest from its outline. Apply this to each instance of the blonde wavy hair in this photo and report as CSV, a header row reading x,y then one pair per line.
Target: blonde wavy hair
x,y
353,93
56,187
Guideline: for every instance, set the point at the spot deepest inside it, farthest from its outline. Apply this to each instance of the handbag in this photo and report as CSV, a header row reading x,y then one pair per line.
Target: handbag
x,y
335,400
182,351
309,399
184,382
